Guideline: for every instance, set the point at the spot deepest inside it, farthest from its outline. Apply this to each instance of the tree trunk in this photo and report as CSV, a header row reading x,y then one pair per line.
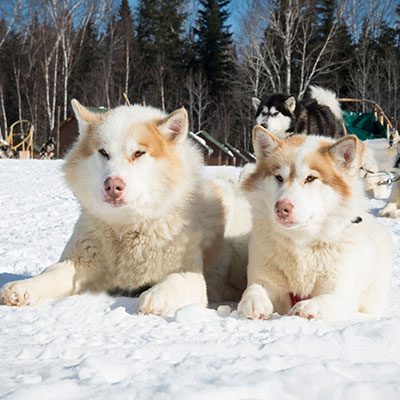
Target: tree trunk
x,y
3,134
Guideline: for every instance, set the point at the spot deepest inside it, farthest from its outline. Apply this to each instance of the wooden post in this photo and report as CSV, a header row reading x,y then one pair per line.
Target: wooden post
x,y
31,141
58,131
126,99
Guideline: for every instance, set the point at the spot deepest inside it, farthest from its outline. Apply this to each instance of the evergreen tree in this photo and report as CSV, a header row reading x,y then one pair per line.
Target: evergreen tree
x,y
214,43
343,49
160,29
160,39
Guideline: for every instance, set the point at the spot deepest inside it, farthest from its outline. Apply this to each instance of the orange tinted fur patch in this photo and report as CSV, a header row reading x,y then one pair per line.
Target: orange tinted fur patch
x,y
362,150
320,161
259,174
295,140
323,163
89,143
149,137
264,168
268,166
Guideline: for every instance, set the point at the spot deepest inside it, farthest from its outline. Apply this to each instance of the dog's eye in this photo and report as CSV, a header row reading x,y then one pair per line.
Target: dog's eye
x,y
275,114
279,178
104,154
137,154
310,178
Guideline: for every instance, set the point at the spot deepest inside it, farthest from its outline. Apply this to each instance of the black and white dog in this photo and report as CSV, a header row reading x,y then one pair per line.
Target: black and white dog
x,y
6,151
282,115
47,152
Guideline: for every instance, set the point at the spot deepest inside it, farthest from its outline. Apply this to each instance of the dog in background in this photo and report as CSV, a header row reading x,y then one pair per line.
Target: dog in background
x,y
314,251
48,148
6,151
283,115
392,208
148,218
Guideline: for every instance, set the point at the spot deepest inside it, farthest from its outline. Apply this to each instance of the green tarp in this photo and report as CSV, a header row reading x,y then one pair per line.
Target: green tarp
x,y
364,126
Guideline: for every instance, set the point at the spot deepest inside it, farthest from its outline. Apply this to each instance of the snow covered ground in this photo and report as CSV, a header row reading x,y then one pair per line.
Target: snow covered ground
x,y
98,347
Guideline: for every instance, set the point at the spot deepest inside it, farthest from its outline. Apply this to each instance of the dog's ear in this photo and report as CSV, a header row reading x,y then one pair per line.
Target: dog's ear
x,y
347,153
83,115
264,143
175,126
290,104
256,102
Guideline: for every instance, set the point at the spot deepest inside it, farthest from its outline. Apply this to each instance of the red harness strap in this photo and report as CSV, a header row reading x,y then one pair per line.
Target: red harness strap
x,y
294,298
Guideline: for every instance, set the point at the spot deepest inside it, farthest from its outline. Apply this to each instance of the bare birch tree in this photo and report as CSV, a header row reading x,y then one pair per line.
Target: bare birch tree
x,y
279,37
366,22
9,10
199,99
318,60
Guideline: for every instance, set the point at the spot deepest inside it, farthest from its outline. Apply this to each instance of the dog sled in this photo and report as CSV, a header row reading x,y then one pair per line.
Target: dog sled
x,y
20,139
381,139
372,125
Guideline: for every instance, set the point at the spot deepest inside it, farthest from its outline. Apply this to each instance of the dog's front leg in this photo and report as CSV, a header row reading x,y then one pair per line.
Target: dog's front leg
x,y
56,281
329,307
256,303
391,210
174,291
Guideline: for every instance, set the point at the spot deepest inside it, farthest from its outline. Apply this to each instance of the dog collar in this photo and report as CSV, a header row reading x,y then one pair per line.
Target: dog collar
x,y
294,298
357,220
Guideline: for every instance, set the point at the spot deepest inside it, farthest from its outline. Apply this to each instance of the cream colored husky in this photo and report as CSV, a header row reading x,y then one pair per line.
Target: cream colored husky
x,y
147,217
314,250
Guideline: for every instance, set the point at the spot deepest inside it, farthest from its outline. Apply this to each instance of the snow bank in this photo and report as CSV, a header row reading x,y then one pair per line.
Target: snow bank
x,y
98,347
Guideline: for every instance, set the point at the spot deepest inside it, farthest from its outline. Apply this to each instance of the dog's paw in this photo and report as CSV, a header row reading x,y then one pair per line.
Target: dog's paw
x,y
256,307
389,213
308,309
159,300
18,293
326,307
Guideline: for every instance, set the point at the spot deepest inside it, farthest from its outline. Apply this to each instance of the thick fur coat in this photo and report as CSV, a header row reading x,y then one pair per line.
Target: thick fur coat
x,y
314,249
149,220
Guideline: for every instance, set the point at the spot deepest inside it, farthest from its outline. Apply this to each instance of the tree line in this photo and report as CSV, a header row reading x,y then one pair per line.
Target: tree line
x,y
174,53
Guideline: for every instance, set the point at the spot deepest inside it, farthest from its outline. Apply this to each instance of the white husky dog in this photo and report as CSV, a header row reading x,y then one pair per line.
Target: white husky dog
x,y
392,208
147,217
314,250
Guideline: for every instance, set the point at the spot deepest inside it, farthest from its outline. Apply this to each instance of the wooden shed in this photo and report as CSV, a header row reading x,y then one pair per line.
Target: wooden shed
x,y
68,135
202,145
220,154
249,155
240,158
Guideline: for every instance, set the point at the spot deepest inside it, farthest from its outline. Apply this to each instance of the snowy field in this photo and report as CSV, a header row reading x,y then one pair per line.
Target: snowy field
x,y
98,347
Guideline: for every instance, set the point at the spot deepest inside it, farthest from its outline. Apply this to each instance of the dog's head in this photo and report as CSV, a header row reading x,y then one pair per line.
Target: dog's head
x,y
301,182
3,151
6,151
127,161
47,150
275,113
50,145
